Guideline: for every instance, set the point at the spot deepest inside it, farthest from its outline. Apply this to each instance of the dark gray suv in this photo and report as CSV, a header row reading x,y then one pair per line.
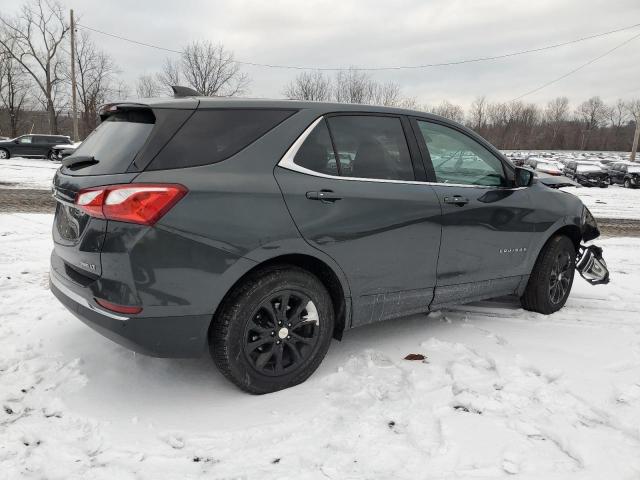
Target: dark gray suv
x,y
262,229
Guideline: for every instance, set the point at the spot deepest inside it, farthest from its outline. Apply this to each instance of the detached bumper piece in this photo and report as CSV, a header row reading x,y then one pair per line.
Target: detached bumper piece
x,y
592,266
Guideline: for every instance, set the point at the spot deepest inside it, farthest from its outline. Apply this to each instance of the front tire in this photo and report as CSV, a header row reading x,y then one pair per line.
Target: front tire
x,y
273,330
627,183
4,154
552,277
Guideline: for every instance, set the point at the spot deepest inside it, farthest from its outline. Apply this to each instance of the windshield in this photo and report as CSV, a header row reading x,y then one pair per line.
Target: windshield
x,y
115,143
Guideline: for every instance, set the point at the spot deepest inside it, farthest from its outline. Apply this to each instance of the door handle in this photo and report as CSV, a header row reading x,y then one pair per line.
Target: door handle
x,y
456,200
326,196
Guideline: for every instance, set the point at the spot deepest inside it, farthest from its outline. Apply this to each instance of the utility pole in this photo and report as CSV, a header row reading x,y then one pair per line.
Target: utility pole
x,y
74,102
636,137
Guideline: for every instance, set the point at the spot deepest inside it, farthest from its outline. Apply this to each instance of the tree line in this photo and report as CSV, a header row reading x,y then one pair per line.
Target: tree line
x,y
35,89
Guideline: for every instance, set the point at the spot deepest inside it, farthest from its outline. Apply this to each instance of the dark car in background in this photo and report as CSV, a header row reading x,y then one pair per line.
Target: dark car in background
x,y
626,174
192,224
588,174
33,145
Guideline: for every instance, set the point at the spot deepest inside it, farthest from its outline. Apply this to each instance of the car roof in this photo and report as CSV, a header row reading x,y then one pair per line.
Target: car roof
x,y
236,102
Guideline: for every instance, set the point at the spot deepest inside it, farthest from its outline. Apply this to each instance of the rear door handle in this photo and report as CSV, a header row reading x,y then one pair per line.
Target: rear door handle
x,y
326,196
456,200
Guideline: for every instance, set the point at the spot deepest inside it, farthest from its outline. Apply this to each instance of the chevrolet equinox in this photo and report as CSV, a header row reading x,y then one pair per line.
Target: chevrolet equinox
x,y
262,229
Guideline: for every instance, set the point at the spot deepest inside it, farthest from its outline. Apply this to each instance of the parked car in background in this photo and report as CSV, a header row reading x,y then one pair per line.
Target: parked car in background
x,y
588,174
226,225
626,174
542,165
33,145
58,152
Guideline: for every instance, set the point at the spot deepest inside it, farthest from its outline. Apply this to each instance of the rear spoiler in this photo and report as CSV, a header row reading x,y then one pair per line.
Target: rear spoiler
x,y
111,108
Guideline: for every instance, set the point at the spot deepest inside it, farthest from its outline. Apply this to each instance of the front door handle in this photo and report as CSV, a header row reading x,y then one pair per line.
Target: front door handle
x,y
456,200
326,196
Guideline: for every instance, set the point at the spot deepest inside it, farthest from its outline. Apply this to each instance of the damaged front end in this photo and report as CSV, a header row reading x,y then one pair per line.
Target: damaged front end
x,y
589,262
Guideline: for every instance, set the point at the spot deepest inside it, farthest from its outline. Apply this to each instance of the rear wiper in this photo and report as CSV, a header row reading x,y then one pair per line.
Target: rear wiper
x,y
80,161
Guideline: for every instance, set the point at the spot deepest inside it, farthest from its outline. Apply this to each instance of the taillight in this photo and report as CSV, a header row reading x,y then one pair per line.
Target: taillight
x,y
142,203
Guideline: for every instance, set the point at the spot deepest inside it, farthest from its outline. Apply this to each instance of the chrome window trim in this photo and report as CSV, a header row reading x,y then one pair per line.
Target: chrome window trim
x,y
287,162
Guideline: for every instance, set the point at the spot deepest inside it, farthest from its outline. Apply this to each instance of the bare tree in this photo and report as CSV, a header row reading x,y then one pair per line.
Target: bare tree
x,y
170,74
147,87
95,81
387,94
352,86
478,113
211,70
14,90
591,113
37,32
314,86
555,114
449,110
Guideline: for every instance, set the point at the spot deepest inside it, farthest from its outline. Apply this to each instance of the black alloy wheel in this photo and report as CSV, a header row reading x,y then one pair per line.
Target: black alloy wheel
x,y
282,333
273,329
559,278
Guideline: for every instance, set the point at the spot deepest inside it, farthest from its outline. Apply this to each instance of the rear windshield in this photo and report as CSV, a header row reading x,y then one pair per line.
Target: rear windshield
x,y
114,144
210,136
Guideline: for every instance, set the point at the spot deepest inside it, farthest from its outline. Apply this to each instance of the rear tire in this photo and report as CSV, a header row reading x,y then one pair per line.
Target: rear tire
x,y
51,155
552,277
4,154
273,330
627,183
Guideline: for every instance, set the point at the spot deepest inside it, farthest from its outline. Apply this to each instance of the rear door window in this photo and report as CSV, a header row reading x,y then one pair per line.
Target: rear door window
x,y
114,144
210,136
370,146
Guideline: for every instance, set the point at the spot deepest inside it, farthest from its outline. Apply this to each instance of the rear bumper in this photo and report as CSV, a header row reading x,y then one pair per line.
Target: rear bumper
x,y
170,337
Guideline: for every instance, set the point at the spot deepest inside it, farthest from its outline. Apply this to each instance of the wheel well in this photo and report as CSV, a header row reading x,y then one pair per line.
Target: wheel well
x,y
571,231
321,270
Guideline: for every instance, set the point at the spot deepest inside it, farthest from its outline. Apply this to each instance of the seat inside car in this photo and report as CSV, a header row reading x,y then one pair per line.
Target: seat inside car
x,y
371,161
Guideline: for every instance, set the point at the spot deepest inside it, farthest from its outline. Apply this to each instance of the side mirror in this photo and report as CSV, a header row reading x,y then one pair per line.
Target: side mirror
x,y
524,177
17,140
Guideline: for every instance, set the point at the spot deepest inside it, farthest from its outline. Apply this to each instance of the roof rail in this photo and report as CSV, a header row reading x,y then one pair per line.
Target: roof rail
x,y
179,91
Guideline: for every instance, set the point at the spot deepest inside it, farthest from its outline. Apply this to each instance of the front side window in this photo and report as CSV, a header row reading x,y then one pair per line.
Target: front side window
x,y
25,140
371,146
459,159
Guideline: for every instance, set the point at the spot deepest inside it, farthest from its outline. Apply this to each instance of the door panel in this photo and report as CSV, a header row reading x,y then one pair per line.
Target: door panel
x,y
486,223
486,238
385,236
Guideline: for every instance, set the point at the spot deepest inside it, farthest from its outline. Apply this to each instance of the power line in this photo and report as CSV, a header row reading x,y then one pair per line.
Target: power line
x,y
593,60
398,67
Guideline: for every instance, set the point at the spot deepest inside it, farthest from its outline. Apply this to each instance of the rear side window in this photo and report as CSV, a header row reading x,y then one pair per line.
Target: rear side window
x,y
211,136
114,144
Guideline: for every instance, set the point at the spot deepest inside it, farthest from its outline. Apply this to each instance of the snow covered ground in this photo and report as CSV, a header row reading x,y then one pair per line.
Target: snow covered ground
x,y
27,173
502,392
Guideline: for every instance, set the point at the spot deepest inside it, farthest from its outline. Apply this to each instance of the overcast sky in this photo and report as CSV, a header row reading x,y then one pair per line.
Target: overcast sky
x,y
398,32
